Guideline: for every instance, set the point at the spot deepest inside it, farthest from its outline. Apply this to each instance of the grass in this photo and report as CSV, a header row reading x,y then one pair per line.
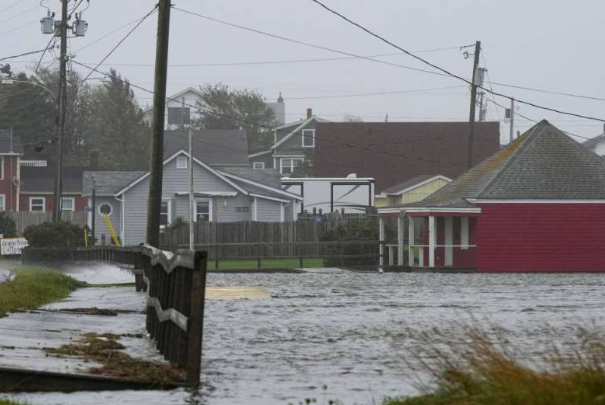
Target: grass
x,y
34,286
237,264
481,373
106,349
7,402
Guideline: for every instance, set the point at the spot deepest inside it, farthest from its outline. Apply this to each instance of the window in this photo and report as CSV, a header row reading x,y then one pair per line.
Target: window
x,y
178,116
68,204
165,214
2,202
464,234
181,162
258,165
308,138
37,203
288,165
203,211
105,209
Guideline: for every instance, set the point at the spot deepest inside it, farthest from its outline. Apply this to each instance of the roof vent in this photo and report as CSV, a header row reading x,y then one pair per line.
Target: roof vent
x,y
352,176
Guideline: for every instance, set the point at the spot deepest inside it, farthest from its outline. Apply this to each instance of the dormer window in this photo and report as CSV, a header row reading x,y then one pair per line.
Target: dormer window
x,y
181,162
308,138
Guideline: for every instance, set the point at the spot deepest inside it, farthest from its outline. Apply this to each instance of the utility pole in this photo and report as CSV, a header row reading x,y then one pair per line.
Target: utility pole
x,y
471,136
512,120
93,217
62,99
159,107
191,193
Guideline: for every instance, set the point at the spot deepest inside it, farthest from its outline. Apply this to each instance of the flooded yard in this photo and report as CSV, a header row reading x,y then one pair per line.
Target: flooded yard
x,y
347,332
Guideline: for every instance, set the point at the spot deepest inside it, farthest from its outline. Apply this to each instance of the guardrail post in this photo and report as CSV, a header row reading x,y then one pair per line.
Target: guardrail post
x,y
196,321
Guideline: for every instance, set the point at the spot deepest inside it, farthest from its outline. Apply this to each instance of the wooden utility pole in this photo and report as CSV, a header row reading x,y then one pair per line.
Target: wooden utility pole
x,y
62,99
157,140
512,120
93,217
471,136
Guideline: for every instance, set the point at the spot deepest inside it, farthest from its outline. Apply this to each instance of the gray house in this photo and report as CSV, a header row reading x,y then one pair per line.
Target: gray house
x,y
220,195
293,143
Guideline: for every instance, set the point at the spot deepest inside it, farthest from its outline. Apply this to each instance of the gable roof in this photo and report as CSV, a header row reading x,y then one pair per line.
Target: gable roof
x,y
214,147
592,143
175,96
296,129
10,147
414,183
107,183
544,163
395,152
269,177
259,189
42,179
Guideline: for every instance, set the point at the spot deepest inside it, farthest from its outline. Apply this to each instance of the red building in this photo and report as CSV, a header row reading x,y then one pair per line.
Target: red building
x,y
10,152
37,188
538,205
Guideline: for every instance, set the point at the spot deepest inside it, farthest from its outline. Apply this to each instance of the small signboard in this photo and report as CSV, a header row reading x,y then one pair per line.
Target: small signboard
x,y
12,246
242,209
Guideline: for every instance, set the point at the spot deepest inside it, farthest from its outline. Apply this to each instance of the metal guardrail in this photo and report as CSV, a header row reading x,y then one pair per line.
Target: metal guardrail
x,y
175,284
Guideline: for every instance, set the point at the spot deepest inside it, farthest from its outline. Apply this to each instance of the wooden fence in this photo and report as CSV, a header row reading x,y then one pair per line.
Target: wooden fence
x,y
23,219
175,285
213,233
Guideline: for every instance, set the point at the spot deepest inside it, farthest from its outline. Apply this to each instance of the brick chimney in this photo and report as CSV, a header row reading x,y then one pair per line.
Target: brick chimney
x,y
309,113
94,160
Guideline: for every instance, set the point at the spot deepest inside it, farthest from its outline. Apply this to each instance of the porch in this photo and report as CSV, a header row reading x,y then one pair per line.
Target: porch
x,y
428,239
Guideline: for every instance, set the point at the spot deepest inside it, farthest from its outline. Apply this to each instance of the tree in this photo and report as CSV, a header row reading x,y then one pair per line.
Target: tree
x,y
8,229
352,118
117,129
237,109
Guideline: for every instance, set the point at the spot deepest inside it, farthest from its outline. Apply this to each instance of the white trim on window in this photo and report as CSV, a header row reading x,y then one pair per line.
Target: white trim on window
x,y
73,203
168,213
1,167
2,202
31,203
209,201
181,162
291,166
306,136
464,233
258,165
110,208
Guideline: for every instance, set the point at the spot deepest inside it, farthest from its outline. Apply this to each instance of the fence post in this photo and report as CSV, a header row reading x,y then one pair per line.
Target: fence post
x,y
196,321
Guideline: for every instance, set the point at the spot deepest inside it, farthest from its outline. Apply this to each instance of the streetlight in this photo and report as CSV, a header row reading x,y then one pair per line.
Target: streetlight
x,y
11,81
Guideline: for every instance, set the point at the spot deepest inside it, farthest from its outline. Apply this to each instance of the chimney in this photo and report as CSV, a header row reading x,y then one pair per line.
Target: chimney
x,y
309,113
94,160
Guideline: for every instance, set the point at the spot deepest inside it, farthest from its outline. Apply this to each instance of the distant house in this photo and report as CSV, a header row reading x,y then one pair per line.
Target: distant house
x,y
597,144
11,152
177,115
293,143
38,185
416,189
220,196
536,205
396,152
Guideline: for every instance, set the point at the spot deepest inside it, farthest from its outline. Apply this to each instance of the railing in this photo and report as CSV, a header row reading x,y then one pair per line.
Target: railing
x,y
464,254
175,285
336,253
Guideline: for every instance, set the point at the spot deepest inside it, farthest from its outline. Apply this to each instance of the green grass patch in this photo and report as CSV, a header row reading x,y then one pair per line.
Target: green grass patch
x,y
33,287
482,373
7,402
241,264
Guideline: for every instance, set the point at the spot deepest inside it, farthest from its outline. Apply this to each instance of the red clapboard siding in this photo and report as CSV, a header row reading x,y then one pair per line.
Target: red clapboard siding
x,y
541,237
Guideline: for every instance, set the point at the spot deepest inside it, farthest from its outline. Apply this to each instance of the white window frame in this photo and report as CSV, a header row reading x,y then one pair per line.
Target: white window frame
x,y
258,165
464,233
169,213
73,203
37,198
1,167
110,208
3,202
210,213
312,131
292,167
182,162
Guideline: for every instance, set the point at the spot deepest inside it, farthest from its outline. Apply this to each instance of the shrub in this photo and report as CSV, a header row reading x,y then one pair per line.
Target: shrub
x,y
353,231
7,226
55,235
178,223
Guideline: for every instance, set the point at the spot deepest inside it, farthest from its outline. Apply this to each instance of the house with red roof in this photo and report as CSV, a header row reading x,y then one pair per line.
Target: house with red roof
x,y
538,205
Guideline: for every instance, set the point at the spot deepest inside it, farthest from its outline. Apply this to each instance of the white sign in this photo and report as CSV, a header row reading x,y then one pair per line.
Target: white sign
x,y
12,246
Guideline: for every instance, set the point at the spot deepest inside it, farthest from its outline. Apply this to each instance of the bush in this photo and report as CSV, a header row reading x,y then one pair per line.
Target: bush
x,y
178,223
353,231
55,235
7,226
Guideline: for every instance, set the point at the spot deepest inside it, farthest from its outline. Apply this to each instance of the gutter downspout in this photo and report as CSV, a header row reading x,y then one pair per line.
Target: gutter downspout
x,y
122,218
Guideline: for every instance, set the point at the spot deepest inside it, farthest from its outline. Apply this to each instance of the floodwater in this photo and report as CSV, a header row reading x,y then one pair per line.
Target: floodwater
x,y
343,336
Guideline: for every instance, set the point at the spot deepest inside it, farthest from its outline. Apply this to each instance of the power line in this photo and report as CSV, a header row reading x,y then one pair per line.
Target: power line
x,y
445,71
381,93
121,41
11,6
50,45
19,15
558,93
22,54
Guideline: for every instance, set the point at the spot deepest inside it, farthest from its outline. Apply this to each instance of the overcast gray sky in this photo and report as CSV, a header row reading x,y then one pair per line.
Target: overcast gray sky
x,y
546,44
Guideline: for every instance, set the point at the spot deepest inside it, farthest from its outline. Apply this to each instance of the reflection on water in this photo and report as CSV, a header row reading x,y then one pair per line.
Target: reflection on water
x,y
347,331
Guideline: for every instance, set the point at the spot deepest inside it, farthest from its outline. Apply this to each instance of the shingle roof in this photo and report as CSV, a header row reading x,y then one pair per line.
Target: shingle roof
x,y
270,177
213,147
410,183
396,152
271,191
6,144
108,183
591,143
42,179
544,163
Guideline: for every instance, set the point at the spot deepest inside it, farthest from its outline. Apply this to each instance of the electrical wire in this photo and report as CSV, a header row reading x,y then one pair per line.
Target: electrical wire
x,y
22,54
558,93
447,72
381,93
11,6
19,15
109,34
121,41
50,45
